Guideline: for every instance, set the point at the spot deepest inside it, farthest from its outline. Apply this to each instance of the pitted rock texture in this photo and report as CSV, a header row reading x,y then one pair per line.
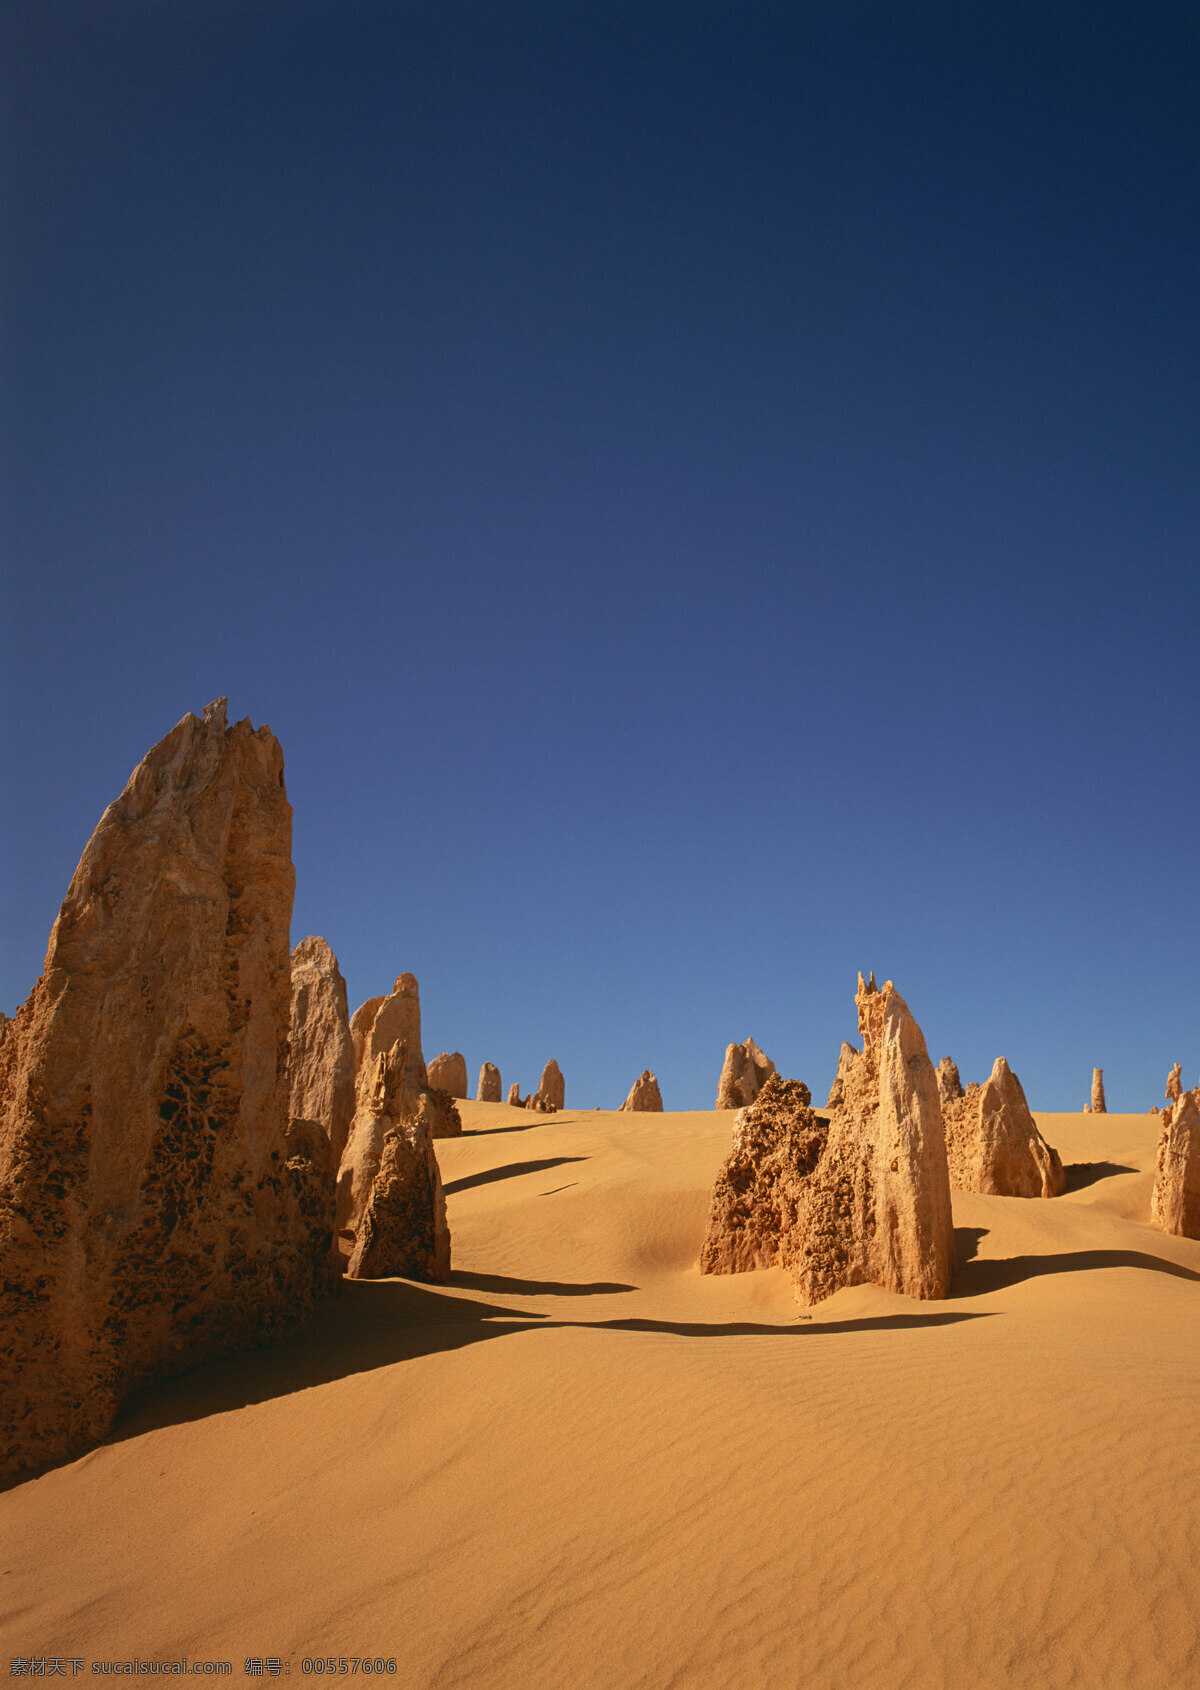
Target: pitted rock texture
x,y
154,1210
440,1112
760,1200
644,1095
1175,1083
551,1095
743,1075
994,1145
1099,1107
859,1197
960,1123
1175,1201
322,1052
449,1073
403,1231
950,1087
380,1025
488,1090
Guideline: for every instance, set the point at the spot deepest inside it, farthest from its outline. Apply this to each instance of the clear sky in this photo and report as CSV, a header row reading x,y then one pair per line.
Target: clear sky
x,y
705,494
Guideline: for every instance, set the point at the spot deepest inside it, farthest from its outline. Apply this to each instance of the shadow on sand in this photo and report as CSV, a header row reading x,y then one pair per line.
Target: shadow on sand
x,y
536,1120
975,1278
510,1170
377,1323
498,1286
1081,1174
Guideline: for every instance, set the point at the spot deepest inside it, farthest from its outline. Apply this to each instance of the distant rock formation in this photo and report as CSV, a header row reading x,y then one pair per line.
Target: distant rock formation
x,y
1099,1107
514,1096
861,1196
1175,1083
993,1144
381,1024
448,1072
743,1075
321,1062
551,1095
1175,1201
644,1095
489,1084
950,1087
155,1210
402,1232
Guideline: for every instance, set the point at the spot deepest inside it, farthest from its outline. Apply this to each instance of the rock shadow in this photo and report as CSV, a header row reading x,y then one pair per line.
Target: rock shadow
x,y
494,1132
966,1242
502,1287
1081,1174
802,1324
977,1278
379,1323
510,1170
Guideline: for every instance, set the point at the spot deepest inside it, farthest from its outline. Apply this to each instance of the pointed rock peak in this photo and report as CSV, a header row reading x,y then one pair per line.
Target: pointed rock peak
x,y
406,985
745,1071
644,1096
215,713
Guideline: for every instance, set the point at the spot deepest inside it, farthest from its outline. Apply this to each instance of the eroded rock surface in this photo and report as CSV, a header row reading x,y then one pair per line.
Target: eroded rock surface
x,y
861,1195
322,1052
1099,1107
960,1123
1175,1201
440,1112
448,1072
1175,1083
644,1095
993,1143
155,1210
743,1075
402,1232
488,1090
514,1096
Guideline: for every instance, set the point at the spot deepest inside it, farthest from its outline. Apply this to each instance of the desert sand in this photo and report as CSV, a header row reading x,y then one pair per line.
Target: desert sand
x,y
583,1464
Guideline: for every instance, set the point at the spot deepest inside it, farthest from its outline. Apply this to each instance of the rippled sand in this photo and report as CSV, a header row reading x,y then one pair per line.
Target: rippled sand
x,y
584,1465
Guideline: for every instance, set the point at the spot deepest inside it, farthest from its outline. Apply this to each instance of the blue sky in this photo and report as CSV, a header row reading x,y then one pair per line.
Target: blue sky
x,y
706,496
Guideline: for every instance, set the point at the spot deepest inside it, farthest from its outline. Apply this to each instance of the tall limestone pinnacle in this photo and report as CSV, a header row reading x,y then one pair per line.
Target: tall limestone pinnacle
x,y
155,1206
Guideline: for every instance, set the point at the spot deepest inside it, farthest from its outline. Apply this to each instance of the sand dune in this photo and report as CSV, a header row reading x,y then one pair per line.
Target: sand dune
x,y
584,1464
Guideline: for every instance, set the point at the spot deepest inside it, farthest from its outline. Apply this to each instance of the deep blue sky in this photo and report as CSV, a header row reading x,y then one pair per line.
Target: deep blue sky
x,y
706,496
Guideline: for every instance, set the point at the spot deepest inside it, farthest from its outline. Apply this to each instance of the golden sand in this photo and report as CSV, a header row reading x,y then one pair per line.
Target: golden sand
x,y
583,1464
